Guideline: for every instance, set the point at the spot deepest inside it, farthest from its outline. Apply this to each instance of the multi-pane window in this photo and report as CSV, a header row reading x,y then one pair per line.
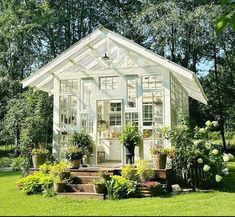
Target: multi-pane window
x,y
131,117
115,120
115,106
179,100
87,85
115,117
147,114
131,93
108,83
68,110
87,122
68,86
150,82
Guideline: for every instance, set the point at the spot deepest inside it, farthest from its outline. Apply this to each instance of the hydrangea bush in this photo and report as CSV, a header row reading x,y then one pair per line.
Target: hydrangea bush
x,y
195,150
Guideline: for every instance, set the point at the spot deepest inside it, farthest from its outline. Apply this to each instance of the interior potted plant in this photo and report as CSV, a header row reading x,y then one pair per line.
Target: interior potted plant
x,y
73,155
84,142
102,125
130,137
159,155
39,156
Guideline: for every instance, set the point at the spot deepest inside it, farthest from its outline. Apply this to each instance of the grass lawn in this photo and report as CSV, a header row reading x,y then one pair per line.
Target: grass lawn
x,y
15,202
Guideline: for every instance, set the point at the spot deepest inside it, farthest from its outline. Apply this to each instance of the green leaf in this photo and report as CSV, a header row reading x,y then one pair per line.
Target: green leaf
x,y
220,24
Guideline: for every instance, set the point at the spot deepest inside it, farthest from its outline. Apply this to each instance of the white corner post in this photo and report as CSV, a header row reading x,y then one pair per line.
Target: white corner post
x,y
56,119
167,103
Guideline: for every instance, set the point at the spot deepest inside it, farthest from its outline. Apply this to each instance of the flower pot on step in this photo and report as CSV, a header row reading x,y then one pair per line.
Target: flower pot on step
x,y
59,187
74,164
159,161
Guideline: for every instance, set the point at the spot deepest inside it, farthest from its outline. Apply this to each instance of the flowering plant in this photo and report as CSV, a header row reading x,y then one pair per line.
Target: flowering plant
x,y
194,149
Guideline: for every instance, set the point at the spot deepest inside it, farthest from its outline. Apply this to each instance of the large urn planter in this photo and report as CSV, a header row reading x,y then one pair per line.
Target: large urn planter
x,y
38,160
39,156
130,137
159,161
130,154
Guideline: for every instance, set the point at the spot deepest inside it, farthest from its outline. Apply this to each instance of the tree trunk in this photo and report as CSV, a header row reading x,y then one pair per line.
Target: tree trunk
x,y
221,116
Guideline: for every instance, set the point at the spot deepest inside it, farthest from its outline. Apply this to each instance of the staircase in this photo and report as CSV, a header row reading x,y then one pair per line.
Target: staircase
x,y
81,188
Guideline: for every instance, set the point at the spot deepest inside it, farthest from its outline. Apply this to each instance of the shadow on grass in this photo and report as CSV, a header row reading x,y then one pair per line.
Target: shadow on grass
x,y
6,173
227,184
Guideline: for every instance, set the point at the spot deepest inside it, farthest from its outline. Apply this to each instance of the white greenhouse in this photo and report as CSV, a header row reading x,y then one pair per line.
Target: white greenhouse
x,y
103,82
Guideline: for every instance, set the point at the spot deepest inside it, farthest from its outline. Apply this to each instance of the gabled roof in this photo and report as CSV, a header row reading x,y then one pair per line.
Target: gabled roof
x,y
85,57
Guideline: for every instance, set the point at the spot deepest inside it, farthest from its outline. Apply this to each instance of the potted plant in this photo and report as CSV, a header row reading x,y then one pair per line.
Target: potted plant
x,y
73,155
59,183
39,156
159,155
100,184
130,137
61,169
102,125
61,176
84,141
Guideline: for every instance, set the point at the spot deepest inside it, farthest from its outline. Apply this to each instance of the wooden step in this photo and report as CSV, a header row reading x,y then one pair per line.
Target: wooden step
x,y
84,179
81,188
82,195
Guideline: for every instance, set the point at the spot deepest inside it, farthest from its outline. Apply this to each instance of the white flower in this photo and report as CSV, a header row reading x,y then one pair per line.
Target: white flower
x,y
197,142
215,151
231,157
206,168
201,130
226,158
225,171
218,178
208,123
207,145
199,160
215,123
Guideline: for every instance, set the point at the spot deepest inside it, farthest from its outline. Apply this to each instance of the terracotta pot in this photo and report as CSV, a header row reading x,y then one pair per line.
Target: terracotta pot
x,y
159,161
74,164
38,160
100,188
59,187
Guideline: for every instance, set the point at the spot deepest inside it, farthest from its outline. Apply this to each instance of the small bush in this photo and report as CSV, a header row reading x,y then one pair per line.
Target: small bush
x,y
45,168
144,172
118,187
128,172
18,163
5,162
31,184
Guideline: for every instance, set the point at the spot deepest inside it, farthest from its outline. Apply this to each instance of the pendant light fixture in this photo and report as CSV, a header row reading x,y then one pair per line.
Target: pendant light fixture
x,y
105,57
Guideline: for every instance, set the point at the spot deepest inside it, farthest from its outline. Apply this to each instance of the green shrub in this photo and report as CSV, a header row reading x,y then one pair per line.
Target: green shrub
x,y
118,187
59,168
144,171
31,184
18,163
129,172
45,168
5,162
40,151
36,184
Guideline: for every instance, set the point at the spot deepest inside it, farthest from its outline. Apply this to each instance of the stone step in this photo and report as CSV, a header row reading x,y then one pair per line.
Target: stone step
x,y
82,195
93,171
84,179
81,188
